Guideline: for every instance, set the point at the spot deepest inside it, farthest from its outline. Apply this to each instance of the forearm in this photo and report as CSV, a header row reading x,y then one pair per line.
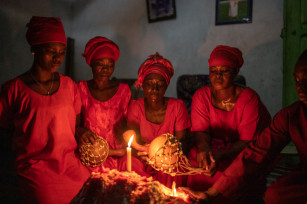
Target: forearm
x,y
180,135
212,193
233,151
79,132
202,141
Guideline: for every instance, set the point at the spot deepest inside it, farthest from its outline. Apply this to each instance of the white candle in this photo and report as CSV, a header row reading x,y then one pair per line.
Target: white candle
x,y
129,154
129,158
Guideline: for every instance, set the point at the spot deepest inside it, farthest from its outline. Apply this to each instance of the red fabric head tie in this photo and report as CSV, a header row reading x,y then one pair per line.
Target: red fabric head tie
x,y
226,56
100,47
155,64
45,30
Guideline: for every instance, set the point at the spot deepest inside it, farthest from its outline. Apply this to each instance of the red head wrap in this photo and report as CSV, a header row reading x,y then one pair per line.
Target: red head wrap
x,y
100,47
44,30
227,56
155,64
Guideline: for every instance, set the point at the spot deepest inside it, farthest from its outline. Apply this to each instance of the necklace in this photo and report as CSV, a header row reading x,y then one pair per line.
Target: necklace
x,y
226,103
41,86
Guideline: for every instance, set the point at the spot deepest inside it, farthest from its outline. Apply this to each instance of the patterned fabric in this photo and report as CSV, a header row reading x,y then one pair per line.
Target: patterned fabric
x,y
44,140
106,118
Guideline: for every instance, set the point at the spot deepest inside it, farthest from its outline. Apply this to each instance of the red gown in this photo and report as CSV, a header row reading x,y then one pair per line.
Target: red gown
x,y
246,121
176,119
106,118
289,123
44,140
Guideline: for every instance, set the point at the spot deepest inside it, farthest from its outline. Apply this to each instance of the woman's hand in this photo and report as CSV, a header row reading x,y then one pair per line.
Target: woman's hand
x,y
196,195
206,161
143,153
127,135
205,196
85,135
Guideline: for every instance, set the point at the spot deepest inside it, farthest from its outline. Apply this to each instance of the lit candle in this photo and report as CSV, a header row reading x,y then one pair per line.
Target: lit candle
x,y
174,193
129,154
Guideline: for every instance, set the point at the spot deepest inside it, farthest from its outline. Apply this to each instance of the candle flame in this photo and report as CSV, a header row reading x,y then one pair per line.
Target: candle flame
x,y
174,189
130,141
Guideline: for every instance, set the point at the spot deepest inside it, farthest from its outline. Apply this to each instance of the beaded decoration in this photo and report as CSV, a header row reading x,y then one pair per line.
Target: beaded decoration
x,y
94,154
165,154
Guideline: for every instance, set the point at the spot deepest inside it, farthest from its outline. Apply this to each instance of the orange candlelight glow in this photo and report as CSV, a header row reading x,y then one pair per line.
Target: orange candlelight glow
x,y
174,193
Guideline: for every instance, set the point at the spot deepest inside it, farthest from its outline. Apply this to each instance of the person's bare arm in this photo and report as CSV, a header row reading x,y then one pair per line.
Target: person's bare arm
x,y
203,147
204,196
232,152
181,134
83,135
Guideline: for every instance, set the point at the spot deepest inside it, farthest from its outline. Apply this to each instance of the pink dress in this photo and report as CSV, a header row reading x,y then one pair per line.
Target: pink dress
x,y
176,119
288,124
44,140
245,122
106,118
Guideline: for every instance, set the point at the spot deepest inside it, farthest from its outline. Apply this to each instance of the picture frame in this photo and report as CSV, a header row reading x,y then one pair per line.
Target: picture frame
x,y
233,11
158,10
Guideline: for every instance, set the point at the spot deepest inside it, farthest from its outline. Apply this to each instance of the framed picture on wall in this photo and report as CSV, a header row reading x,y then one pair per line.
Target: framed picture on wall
x,y
158,10
233,11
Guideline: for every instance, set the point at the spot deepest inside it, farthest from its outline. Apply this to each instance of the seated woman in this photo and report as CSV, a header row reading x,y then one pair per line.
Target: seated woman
x,y
288,124
156,114
40,107
104,101
224,116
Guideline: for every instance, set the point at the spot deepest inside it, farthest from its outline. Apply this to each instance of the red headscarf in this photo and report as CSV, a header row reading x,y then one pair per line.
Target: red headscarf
x,y
44,30
155,64
227,56
100,47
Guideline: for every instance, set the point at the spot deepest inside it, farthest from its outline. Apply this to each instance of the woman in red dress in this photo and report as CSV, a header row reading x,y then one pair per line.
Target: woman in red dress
x,y
288,124
224,116
104,101
156,114
41,107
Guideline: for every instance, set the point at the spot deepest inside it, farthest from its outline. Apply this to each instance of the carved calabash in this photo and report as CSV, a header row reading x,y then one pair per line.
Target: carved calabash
x,y
94,154
163,152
